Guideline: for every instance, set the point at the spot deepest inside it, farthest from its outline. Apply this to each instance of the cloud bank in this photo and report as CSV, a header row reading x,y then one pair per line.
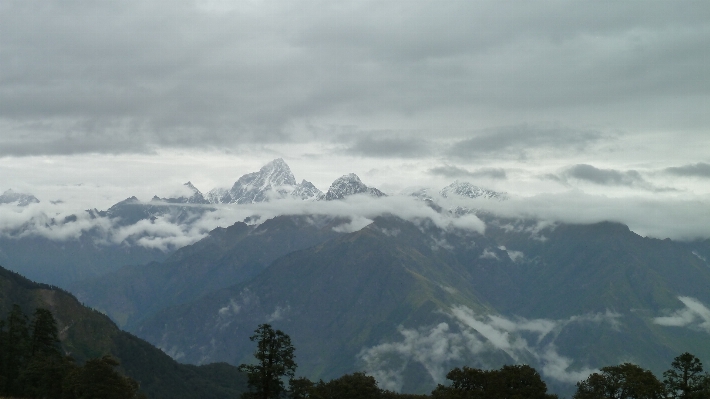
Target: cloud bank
x,y
661,218
446,345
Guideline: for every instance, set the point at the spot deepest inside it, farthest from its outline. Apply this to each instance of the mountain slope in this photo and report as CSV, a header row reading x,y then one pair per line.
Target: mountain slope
x,y
85,333
226,257
333,299
565,298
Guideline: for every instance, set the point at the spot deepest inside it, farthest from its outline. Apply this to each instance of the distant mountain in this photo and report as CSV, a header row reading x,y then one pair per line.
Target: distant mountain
x,y
195,198
408,301
60,263
273,181
465,189
219,196
334,299
226,257
20,199
350,185
179,210
85,333
306,191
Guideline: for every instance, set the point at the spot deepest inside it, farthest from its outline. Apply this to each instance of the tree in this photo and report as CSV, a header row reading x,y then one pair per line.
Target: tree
x,y
684,380
300,388
349,386
519,381
274,355
14,348
45,337
46,368
625,381
98,379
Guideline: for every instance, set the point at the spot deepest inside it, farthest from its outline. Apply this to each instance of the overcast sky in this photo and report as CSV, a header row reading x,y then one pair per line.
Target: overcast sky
x,y
103,100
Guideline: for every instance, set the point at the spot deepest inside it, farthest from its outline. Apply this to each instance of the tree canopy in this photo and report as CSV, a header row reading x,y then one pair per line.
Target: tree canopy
x,y
684,380
32,364
518,381
625,381
275,361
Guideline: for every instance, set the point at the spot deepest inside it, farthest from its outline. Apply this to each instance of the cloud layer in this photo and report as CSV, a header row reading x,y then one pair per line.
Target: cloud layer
x,y
694,315
80,76
439,348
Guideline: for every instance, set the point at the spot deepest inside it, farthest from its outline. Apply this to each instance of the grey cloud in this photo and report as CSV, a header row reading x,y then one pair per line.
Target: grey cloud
x,y
519,140
186,74
611,177
699,169
385,145
606,177
455,172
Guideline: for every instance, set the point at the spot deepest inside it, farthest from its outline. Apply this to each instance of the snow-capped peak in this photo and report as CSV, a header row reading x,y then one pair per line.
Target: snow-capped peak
x,y
273,180
306,191
350,184
465,189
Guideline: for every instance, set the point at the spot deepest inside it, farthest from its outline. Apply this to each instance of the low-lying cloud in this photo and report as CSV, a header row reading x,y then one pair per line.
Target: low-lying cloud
x,y
694,315
674,218
658,217
448,344
167,232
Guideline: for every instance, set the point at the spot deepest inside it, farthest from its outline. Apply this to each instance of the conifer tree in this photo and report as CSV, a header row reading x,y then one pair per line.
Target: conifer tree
x,y
684,380
274,355
14,348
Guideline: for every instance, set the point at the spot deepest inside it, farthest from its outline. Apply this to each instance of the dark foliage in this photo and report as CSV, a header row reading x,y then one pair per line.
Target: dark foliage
x,y
274,355
349,386
506,383
32,364
684,380
625,381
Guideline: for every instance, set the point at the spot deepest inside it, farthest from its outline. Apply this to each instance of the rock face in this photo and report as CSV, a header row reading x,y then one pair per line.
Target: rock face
x,y
9,197
464,189
350,185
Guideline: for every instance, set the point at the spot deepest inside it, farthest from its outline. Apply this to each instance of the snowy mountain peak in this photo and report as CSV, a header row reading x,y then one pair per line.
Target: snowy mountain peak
x,y
274,180
9,197
306,191
196,197
350,184
218,196
465,189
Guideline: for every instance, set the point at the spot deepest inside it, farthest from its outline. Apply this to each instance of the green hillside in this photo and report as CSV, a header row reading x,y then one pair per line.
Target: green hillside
x,y
85,334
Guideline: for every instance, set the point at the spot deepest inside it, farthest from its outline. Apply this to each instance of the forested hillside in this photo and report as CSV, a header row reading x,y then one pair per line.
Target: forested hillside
x,y
85,334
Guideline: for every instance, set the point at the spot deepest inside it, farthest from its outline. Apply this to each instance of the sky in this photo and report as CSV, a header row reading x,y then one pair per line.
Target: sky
x,y
597,105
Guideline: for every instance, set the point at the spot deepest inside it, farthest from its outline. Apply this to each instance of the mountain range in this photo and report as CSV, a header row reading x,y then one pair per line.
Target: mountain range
x,y
403,294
